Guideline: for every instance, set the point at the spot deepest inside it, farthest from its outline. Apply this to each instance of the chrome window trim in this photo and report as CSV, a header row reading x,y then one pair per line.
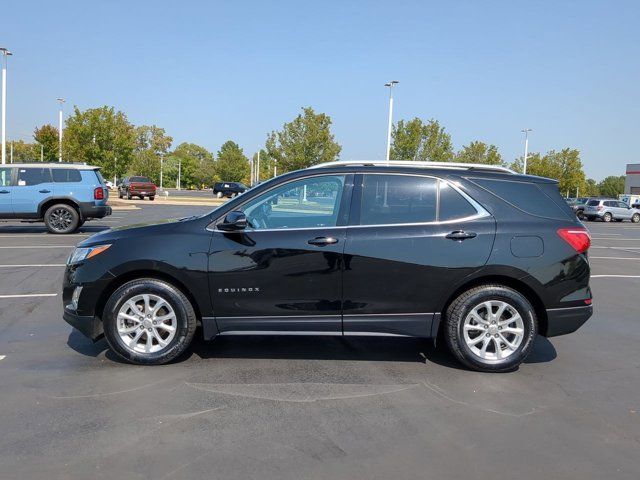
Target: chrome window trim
x,y
481,211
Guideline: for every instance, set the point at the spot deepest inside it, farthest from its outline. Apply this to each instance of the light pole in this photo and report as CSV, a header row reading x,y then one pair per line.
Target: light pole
x,y
275,167
179,173
526,147
391,84
41,151
5,53
61,101
161,165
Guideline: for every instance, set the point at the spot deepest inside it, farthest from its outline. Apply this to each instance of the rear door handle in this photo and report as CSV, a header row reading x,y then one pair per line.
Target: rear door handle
x,y
4,191
461,235
322,241
44,191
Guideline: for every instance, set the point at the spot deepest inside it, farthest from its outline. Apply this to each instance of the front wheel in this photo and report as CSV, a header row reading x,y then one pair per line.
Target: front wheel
x,y
152,198
490,328
129,195
607,217
148,322
61,218
635,218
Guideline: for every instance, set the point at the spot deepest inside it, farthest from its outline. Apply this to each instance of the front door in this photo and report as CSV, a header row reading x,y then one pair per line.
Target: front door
x,y
284,272
6,192
33,186
410,238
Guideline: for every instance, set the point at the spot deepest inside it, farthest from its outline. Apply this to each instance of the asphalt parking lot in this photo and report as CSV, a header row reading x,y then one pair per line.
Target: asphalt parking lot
x,y
311,407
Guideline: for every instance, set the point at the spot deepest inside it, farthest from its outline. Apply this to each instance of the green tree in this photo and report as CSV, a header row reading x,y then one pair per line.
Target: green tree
x,y
232,165
151,142
47,136
304,142
100,136
611,186
479,152
564,166
196,164
23,152
416,140
590,188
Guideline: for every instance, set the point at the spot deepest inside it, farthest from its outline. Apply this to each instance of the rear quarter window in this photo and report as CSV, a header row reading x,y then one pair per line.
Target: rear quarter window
x,y
542,200
453,206
65,175
593,203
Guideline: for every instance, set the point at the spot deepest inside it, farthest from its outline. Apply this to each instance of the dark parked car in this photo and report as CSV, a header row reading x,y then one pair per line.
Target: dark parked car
x,y
577,205
62,195
228,189
137,187
479,255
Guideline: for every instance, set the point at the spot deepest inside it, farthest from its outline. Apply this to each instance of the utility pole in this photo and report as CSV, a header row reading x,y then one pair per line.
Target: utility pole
x,y
61,101
390,84
526,147
5,53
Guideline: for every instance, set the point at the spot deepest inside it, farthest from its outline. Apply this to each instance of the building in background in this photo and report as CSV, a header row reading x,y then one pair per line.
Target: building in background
x,y
632,180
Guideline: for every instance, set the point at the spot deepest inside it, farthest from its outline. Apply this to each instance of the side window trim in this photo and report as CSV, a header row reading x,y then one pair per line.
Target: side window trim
x,y
356,203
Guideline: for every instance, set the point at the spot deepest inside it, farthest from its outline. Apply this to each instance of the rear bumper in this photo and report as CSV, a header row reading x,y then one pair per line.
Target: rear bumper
x,y
90,327
89,210
561,321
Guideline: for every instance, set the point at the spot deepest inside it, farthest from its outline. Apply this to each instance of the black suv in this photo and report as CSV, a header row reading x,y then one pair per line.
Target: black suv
x,y
479,255
228,189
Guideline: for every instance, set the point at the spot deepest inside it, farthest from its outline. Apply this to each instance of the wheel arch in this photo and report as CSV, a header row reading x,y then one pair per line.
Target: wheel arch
x,y
49,202
139,274
518,285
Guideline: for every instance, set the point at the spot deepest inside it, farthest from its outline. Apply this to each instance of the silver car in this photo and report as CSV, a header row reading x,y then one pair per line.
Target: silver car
x,y
608,210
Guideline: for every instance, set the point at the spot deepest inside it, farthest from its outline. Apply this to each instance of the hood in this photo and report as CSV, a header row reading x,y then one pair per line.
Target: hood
x,y
137,230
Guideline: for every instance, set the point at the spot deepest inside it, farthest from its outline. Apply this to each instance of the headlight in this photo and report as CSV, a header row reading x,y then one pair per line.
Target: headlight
x,y
85,253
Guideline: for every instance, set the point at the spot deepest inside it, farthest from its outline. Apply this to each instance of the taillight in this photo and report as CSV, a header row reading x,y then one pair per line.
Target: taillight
x,y
578,238
599,207
98,193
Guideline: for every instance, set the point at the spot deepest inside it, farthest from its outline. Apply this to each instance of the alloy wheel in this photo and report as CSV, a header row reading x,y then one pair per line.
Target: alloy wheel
x,y
493,330
60,219
146,323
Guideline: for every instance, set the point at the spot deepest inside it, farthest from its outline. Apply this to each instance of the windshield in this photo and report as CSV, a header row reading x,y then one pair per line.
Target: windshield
x,y
140,179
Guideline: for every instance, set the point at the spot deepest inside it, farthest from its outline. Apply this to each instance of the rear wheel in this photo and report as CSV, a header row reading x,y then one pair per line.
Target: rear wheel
x,y
149,321
61,218
607,217
490,328
129,195
635,218
219,195
152,198
120,194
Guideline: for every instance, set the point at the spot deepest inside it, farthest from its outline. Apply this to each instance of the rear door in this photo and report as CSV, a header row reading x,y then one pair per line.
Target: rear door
x,y
6,192
33,186
625,211
410,238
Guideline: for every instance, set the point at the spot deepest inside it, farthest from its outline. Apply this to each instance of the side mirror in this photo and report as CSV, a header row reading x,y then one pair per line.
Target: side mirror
x,y
233,221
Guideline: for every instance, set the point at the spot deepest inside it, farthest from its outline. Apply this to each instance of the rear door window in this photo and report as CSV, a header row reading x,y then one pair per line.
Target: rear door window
x,y
66,175
395,199
33,176
593,203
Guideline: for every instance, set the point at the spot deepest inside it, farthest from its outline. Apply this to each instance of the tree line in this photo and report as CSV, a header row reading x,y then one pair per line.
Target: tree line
x,y
105,137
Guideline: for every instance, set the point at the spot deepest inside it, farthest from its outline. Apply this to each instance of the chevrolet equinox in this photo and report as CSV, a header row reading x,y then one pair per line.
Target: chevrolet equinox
x,y
477,255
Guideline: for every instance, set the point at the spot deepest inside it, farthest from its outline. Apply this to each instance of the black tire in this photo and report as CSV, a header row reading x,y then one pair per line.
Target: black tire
x,y
120,194
152,198
185,316
618,220
580,215
61,219
128,195
635,218
462,306
607,217
591,218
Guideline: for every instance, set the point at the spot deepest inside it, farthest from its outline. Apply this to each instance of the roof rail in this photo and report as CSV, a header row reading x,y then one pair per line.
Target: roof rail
x,y
416,164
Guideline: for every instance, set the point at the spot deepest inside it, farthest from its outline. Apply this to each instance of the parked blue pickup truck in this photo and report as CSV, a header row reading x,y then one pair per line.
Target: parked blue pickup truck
x,y
62,195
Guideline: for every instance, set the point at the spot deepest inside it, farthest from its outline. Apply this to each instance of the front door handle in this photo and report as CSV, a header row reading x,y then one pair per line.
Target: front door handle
x,y
461,235
322,241
4,191
45,191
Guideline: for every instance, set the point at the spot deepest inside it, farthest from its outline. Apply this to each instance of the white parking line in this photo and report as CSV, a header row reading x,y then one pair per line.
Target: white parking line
x,y
615,276
45,235
612,238
40,246
617,258
616,248
29,295
35,265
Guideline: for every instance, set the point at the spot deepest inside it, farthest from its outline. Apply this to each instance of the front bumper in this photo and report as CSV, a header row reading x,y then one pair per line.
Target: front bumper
x,y
89,326
561,321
